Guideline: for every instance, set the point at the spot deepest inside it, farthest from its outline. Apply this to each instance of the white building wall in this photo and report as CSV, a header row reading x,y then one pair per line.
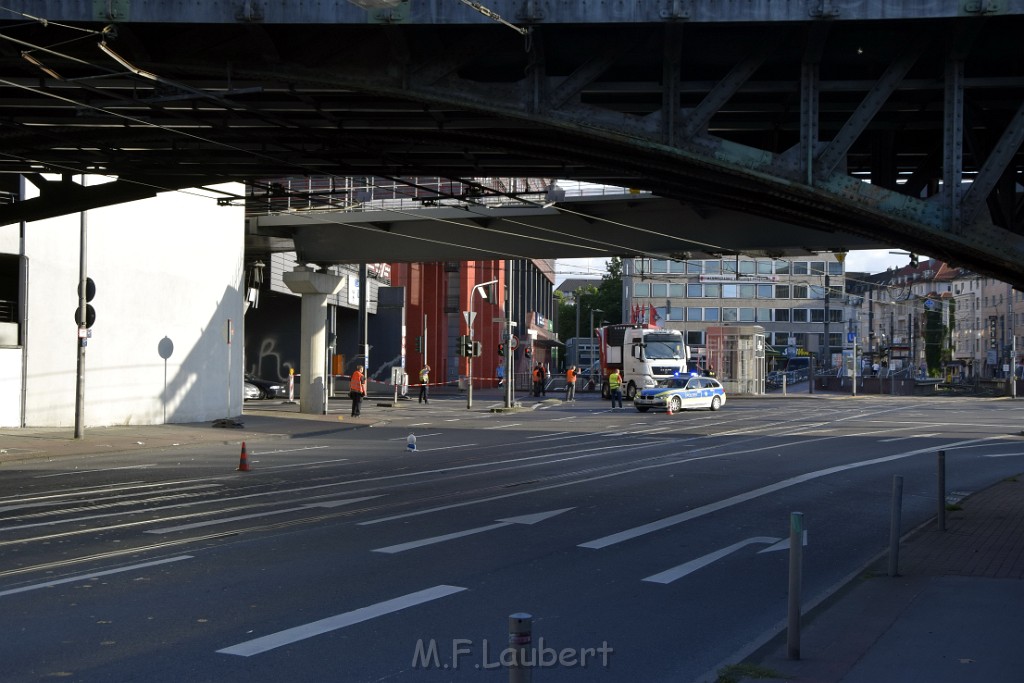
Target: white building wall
x,y
171,266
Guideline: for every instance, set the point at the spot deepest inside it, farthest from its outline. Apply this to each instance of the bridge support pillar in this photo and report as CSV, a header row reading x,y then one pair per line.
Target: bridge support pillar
x,y
314,287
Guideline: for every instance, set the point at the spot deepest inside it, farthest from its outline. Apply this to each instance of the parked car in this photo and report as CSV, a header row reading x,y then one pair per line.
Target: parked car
x,y
682,393
268,388
251,391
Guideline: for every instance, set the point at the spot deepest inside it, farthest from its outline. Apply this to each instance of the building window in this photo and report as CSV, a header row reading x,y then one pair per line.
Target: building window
x,y
817,315
817,267
695,338
765,291
659,290
764,315
799,315
729,267
780,338
694,291
816,292
746,315
782,267
730,315
781,291
835,338
693,267
764,267
730,291
659,266
835,268
712,291
801,339
800,292
694,313
799,267
713,267
676,291
782,315
677,267
835,315
747,291
642,289
747,267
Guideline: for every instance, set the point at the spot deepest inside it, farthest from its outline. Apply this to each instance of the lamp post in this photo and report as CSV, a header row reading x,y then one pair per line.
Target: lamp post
x,y
590,372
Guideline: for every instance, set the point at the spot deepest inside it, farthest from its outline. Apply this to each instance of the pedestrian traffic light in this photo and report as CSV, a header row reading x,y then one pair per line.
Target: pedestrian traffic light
x,y
528,352
464,348
501,349
478,349
913,260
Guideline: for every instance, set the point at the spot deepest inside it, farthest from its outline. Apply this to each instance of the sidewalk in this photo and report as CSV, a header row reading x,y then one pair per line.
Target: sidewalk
x,y
954,614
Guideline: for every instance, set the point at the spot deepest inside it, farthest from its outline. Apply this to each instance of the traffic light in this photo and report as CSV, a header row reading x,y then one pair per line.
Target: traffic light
x,y
528,352
992,331
90,313
419,344
501,349
913,260
465,348
477,349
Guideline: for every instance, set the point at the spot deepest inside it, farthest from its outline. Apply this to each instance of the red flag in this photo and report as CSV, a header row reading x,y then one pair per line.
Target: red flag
x,y
654,315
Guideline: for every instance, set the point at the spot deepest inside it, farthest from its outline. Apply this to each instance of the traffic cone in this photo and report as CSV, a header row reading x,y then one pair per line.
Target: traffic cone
x,y
670,407
243,461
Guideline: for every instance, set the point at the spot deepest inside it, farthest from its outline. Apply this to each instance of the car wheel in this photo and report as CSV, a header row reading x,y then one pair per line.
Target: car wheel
x,y
643,409
630,392
716,403
676,403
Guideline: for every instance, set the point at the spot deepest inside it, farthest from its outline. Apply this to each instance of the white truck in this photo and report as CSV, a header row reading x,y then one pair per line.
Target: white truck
x,y
643,354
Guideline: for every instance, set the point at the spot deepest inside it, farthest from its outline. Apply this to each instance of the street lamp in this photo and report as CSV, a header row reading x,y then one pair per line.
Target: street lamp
x,y
590,372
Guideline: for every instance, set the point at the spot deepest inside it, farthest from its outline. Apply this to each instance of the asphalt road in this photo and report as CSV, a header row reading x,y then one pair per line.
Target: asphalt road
x,y
646,547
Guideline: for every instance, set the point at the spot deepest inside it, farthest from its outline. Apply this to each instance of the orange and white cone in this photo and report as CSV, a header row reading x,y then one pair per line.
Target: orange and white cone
x,y
670,407
243,460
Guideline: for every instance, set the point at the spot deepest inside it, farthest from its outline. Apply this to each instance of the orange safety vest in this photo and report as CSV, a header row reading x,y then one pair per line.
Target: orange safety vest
x,y
570,375
357,384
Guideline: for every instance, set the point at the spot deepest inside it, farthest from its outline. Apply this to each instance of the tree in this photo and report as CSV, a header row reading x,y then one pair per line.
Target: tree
x,y
605,296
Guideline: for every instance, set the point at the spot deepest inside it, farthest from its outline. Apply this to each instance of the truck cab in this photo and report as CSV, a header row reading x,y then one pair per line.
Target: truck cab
x,y
643,354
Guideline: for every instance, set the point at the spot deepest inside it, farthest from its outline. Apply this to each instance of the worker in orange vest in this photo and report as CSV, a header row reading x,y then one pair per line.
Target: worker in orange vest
x,y
357,389
570,383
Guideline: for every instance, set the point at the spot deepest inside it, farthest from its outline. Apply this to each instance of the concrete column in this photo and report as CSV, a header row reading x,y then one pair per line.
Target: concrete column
x,y
314,287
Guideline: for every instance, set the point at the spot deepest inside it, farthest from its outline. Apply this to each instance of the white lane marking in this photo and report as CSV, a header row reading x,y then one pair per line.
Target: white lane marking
x,y
783,544
508,521
444,448
106,469
678,572
505,426
452,419
546,436
316,628
292,465
418,436
50,501
290,450
227,520
1002,455
419,424
94,575
667,522
904,438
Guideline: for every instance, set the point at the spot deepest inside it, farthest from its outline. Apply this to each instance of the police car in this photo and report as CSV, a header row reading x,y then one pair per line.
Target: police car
x,y
682,393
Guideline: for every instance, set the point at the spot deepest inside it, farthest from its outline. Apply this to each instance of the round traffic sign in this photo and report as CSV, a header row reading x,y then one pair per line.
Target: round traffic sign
x,y
513,343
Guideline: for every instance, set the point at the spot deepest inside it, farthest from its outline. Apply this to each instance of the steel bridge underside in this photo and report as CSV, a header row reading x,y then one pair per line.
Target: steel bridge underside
x,y
836,124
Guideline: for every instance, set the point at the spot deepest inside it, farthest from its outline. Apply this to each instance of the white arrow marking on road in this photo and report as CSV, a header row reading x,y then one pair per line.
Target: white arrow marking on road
x,y
293,635
226,520
524,519
670,575
783,545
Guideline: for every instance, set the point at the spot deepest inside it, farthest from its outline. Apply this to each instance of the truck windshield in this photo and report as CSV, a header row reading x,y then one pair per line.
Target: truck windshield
x,y
663,346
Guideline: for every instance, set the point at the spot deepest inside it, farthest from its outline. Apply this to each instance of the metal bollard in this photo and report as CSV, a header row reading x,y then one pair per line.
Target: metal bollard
x,y
895,524
520,640
941,516
796,557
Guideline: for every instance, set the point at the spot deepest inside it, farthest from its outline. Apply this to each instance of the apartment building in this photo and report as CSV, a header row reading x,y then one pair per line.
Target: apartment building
x,y
797,300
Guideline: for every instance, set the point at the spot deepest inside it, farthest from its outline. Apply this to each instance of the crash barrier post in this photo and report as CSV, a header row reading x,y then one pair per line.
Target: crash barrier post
x,y
895,523
520,640
941,516
796,552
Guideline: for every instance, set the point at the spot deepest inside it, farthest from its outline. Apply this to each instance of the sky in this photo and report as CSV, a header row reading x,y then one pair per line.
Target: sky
x,y
865,261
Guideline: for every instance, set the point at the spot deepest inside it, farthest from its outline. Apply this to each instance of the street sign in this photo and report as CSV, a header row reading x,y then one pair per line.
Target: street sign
x,y
851,337
513,343
470,317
